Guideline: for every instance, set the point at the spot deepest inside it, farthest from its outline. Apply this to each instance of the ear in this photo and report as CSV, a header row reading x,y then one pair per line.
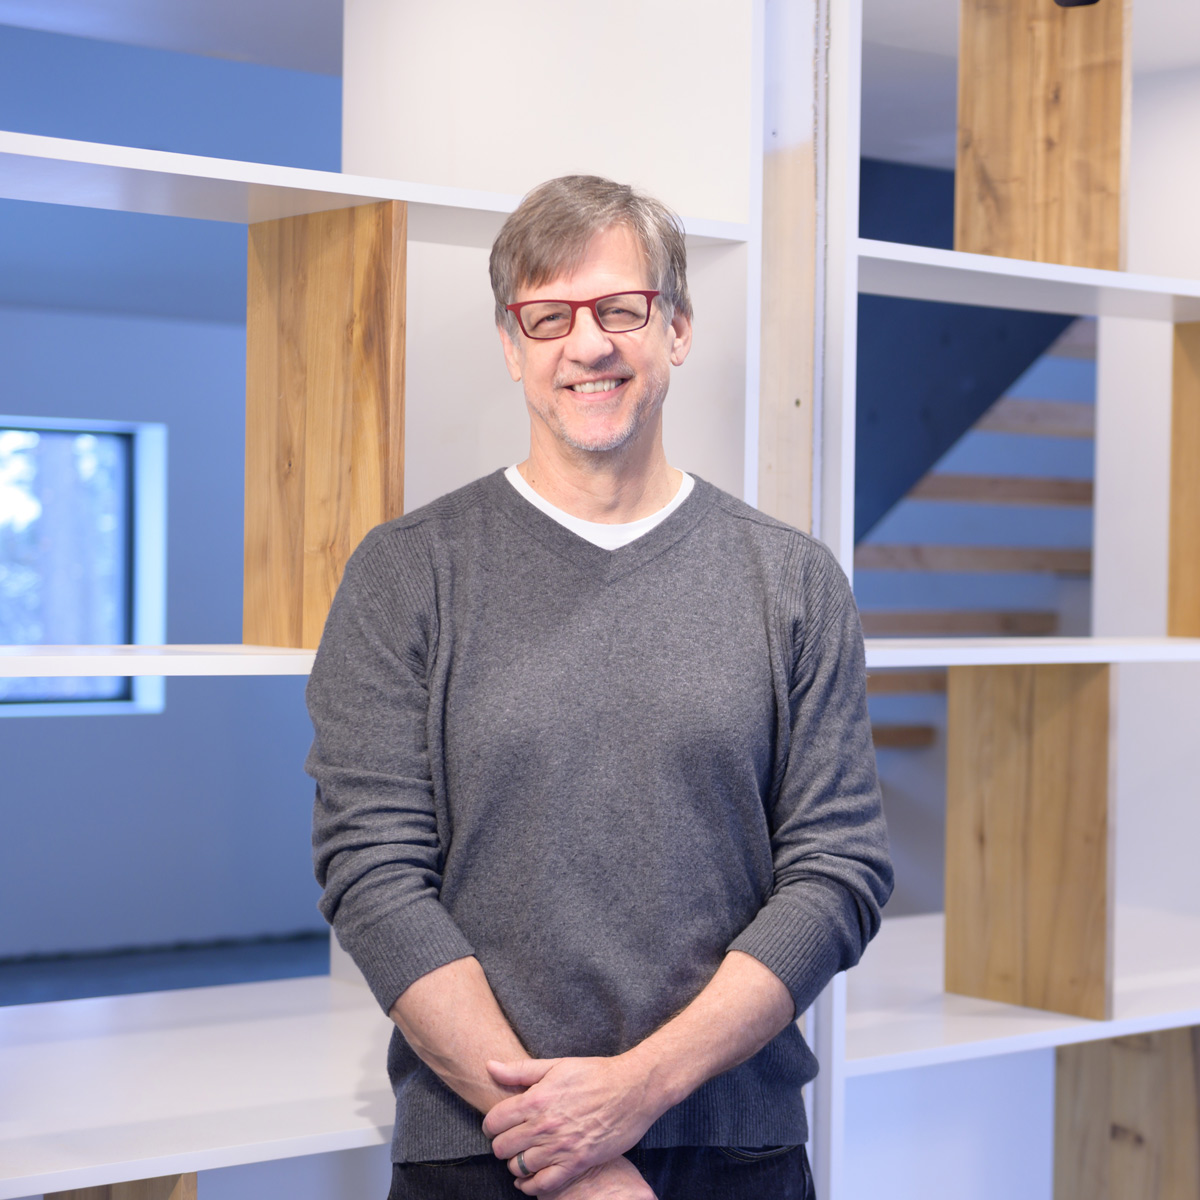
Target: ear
x,y
681,330
514,356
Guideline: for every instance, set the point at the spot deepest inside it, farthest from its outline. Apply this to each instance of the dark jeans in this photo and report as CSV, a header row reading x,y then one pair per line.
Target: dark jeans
x,y
680,1173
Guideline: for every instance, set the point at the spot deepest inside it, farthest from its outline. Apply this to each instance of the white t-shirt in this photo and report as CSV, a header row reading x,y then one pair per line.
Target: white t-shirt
x,y
607,537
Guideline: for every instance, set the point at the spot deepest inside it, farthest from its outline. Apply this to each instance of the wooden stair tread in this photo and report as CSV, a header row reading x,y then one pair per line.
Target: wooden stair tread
x,y
1003,489
965,622
888,557
903,737
904,683
1041,418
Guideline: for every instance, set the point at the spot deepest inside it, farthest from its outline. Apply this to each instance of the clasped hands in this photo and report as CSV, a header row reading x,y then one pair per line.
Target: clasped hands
x,y
572,1124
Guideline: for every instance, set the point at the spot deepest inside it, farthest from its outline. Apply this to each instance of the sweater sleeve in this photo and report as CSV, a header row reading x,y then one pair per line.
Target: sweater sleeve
x,y
828,836
376,847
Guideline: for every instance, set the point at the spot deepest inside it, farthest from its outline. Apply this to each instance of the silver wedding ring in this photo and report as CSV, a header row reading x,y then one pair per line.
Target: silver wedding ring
x,y
521,1163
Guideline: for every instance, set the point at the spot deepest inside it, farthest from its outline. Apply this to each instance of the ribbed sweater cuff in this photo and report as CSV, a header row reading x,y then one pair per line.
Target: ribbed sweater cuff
x,y
398,948
799,944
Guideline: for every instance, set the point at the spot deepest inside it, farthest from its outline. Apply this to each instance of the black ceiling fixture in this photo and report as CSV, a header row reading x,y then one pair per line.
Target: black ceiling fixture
x,y
1074,3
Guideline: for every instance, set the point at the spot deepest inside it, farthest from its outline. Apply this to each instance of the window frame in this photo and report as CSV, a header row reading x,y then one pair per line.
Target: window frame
x,y
147,561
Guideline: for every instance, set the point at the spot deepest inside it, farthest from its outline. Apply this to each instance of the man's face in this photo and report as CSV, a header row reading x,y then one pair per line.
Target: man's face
x,y
633,369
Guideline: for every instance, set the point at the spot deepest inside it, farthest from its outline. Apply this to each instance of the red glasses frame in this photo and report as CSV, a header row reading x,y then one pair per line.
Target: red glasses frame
x,y
576,305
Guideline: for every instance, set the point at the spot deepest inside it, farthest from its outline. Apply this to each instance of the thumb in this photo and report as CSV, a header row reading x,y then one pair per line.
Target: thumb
x,y
523,1073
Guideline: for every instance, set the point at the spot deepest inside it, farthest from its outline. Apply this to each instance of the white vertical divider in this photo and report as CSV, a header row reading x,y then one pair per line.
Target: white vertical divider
x,y
754,257
827,1032
837,208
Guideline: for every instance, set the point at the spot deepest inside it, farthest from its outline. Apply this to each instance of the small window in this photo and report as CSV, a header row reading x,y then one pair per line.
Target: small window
x,y
81,554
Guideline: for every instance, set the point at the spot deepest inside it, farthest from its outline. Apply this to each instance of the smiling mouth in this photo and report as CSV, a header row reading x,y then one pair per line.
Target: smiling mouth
x,y
597,385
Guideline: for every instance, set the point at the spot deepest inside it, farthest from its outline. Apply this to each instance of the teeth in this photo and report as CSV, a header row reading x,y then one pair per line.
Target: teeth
x,y
599,385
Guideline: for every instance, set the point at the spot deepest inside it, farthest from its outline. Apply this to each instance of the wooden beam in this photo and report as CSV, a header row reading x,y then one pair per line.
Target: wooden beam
x,y
166,1187
964,623
882,557
1127,1118
324,408
903,737
1028,917
785,462
904,683
1002,489
1183,572
1040,418
1043,113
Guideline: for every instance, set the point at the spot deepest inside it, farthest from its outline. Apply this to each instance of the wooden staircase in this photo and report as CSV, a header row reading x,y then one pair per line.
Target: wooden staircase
x,y
1035,418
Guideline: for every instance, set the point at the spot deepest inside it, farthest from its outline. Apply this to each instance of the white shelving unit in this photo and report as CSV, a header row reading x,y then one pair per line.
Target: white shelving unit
x,y
882,654
91,175
922,273
82,661
898,1016
133,1087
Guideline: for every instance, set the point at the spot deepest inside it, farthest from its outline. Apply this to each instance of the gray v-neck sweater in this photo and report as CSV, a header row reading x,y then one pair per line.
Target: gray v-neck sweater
x,y
597,771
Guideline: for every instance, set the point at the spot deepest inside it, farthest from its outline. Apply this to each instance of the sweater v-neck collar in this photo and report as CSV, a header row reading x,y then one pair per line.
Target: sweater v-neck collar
x,y
584,555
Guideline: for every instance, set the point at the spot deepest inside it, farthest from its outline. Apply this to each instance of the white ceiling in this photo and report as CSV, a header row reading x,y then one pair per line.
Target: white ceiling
x,y
304,35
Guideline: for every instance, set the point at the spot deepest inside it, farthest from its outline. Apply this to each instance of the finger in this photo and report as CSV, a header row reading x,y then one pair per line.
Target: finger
x,y
549,1179
507,1115
524,1073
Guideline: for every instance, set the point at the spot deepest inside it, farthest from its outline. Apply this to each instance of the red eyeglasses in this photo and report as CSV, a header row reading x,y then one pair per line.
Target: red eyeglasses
x,y
620,312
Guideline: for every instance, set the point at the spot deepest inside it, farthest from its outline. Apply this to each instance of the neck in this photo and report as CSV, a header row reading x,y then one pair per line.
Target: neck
x,y
613,487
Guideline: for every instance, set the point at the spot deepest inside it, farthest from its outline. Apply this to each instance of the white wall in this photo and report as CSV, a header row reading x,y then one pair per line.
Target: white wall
x,y
474,94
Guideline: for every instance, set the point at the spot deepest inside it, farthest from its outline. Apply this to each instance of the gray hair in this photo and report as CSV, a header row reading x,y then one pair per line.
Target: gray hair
x,y
548,234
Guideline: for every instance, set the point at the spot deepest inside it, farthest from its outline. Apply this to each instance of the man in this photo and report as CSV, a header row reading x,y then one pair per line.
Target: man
x,y
597,812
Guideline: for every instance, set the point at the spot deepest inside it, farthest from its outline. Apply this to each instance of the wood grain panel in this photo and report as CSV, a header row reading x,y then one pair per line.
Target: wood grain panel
x,y
965,623
1043,116
165,1187
1002,489
324,408
1040,418
1028,916
785,470
876,556
1183,573
1127,1118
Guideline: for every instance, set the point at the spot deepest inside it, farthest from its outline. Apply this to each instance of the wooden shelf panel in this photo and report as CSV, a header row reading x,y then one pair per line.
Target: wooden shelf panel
x,y
132,1087
921,273
94,175
982,652
80,661
898,1016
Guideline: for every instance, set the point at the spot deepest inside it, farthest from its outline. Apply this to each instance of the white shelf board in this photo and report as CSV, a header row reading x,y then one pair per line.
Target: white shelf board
x,y
84,661
131,1087
93,175
897,1015
1006,651
922,273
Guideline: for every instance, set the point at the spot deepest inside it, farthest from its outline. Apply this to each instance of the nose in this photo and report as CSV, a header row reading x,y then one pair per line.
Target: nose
x,y
587,341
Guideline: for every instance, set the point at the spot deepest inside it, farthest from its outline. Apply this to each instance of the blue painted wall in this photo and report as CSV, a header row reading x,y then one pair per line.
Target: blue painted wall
x,y
192,824
89,259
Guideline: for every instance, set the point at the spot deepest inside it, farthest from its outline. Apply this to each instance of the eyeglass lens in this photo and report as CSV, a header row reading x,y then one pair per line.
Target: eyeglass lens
x,y
616,314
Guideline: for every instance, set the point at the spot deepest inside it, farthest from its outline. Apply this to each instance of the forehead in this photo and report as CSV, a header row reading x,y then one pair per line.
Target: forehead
x,y
612,261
